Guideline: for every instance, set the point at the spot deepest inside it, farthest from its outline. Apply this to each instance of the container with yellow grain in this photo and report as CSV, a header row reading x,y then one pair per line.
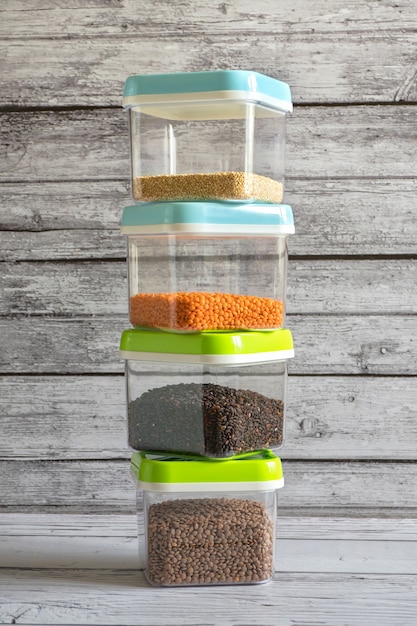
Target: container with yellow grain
x,y
216,135
198,266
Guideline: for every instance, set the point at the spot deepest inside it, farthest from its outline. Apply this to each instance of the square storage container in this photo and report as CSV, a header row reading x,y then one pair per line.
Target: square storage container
x,y
207,136
207,522
207,266
210,394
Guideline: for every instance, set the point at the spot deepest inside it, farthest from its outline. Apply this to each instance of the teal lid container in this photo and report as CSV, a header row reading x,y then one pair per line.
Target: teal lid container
x,y
217,218
207,266
237,85
203,136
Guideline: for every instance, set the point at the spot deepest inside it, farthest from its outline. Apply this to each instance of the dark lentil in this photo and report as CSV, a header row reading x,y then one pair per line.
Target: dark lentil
x,y
209,541
207,419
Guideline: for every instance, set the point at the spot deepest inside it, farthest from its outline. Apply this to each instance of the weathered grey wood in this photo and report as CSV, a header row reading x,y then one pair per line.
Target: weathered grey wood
x,y
325,344
341,488
351,178
326,418
63,417
116,596
331,217
318,553
126,526
40,18
312,555
64,289
356,141
73,205
61,244
314,286
326,67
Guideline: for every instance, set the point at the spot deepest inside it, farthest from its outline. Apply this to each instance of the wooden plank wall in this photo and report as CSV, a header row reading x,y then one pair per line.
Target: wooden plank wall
x,y
351,179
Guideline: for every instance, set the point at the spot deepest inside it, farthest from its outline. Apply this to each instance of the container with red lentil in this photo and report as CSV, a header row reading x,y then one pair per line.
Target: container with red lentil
x,y
197,266
207,522
215,135
210,394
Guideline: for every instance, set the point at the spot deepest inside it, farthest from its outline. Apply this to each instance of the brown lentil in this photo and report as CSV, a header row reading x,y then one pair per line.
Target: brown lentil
x,y
216,186
196,311
206,419
221,541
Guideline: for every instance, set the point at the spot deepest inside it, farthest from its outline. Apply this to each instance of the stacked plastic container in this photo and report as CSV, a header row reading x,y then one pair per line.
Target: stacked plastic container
x,y
206,359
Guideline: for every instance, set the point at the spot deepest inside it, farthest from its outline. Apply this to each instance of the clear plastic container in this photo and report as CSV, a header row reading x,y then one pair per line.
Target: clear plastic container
x,y
207,266
207,522
210,394
207,136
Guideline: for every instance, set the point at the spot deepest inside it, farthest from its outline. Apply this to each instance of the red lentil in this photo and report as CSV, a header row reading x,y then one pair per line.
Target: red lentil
x,y
196,311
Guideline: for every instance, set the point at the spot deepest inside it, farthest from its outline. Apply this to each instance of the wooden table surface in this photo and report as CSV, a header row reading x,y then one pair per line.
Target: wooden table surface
x,y
83,569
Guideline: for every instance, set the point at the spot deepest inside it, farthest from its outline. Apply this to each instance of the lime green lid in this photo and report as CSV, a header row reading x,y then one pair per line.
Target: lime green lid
x,y
261,470
206,347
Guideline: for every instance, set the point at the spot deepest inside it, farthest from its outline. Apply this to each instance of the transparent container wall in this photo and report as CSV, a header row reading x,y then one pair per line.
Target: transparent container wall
x,y
213,411
195,283
217,150
140,513
213,538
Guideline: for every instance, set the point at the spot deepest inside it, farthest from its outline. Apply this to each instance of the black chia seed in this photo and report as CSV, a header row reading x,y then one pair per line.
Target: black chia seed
x,y
206,419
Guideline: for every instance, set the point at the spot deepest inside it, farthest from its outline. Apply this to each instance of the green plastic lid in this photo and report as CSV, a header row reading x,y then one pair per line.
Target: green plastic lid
x,y
209,85
258,471
218,348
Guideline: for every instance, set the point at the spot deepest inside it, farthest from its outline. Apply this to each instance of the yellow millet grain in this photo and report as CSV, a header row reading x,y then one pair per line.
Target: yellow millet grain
x,y
216,186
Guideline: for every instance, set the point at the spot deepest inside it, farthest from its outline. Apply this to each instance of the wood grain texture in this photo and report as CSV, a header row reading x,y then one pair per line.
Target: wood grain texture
x,y
330,418
352,182
39,18
317,552
116,596
323,67
325,142
325,344
47,221
314,286
106,487
126,526
295,555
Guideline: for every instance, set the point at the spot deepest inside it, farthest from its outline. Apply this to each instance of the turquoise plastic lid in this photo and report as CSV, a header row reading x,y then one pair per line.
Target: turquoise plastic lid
x,y
208,217
217,348
239,84
261,470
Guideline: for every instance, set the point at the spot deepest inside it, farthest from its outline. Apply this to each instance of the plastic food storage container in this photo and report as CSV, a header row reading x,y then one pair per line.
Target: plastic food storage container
x,y
207,522
207,135
207,266
211,394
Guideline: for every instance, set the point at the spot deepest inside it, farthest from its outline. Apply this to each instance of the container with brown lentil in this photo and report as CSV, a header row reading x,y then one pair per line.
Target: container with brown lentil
x,y
210,394
207,136
207,266
208,522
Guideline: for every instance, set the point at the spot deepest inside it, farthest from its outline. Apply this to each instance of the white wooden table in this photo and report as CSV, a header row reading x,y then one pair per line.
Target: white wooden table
x,y
79,569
